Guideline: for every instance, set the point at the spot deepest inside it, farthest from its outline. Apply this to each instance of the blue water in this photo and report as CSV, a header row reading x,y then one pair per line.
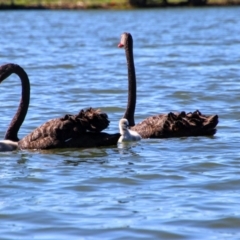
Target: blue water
x,y
185,188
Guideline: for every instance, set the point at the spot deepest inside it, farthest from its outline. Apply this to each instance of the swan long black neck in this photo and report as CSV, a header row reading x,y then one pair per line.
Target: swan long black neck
x,y
5,71
132,88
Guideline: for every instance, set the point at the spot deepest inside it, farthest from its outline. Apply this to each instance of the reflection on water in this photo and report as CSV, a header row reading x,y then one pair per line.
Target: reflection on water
x,y
185,188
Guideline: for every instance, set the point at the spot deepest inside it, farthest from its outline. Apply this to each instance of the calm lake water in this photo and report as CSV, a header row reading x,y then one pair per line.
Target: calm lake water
x,y
185,188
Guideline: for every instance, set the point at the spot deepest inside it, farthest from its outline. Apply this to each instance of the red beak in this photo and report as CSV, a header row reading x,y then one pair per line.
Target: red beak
x,y
120,45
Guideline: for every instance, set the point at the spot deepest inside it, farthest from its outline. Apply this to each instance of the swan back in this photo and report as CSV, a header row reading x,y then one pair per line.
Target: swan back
x,y
81,130
126,134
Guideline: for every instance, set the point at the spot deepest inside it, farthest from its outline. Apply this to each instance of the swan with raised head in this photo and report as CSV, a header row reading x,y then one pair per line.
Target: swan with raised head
x,y
82,130
162,125
127,135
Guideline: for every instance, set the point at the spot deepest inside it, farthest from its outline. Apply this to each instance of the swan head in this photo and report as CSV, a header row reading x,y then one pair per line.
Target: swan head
x,y
6,70
126,38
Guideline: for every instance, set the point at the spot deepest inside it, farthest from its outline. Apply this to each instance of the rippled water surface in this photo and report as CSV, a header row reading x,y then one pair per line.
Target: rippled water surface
x,y
186,188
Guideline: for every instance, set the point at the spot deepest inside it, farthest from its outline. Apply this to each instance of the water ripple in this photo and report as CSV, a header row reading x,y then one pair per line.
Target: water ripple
x,y
186,188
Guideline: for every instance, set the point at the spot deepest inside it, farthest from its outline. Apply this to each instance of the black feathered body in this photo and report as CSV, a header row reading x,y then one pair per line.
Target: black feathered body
x,y
81,130
177,125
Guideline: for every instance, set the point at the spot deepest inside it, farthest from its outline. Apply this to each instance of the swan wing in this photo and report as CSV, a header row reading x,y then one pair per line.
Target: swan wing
x,y
177,125
69,131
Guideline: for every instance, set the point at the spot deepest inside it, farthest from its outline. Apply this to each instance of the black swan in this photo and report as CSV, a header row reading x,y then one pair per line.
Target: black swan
x,y
71,131
163,125
126,134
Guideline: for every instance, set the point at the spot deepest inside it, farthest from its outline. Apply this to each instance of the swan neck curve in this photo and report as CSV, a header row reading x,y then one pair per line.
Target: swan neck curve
x,y
132,88
6,71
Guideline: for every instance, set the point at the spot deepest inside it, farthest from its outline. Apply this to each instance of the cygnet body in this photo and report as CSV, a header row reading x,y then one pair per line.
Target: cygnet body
x,y
126,134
